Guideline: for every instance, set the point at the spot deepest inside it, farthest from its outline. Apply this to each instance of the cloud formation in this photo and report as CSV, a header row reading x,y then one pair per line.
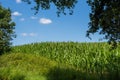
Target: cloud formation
x,y
33,34
45,21
32,17
28,34
18,1
16,13
22,19
24,34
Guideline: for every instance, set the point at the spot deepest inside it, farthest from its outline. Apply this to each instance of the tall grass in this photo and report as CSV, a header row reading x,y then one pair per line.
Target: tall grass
x,y
93,59
18,66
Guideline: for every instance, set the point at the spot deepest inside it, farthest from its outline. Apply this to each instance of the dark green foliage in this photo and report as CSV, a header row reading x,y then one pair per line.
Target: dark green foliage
x,y
105,19
6,29
61,5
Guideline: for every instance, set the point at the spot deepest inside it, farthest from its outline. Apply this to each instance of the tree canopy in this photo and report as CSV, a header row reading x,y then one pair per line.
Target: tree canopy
x,y
61,5
6,29
104,16
105,19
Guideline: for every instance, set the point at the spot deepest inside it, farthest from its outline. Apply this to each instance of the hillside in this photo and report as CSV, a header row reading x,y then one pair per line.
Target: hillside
x,y
61,61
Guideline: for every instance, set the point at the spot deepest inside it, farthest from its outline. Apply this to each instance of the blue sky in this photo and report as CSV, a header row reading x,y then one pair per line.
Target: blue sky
x,y
47,26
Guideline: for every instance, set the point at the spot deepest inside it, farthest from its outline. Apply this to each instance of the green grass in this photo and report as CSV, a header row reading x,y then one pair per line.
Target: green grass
x,y
61,61
17,66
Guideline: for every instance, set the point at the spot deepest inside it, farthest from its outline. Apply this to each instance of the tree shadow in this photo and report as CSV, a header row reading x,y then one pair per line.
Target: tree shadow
x,y
59,73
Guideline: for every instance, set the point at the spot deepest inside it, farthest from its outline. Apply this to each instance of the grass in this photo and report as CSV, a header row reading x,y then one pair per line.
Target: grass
x,y
17,66
61,61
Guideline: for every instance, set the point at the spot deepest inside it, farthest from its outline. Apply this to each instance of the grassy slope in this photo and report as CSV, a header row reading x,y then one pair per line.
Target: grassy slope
x,y
18,66
55,61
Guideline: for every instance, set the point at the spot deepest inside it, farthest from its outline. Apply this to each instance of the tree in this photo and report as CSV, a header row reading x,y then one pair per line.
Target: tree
x,y
61,5
6,30
105,19
104,16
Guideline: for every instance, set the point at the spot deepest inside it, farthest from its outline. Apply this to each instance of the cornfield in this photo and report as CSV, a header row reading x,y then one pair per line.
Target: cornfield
x,y
92,58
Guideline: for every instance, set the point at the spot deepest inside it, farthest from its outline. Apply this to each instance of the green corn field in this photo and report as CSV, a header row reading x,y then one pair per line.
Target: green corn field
x,y
95,60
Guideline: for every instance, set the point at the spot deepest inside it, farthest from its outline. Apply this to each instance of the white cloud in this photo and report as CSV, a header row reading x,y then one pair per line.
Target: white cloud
x,y
29,34
32,34
16,13
22,19
32,17
45,21
24,34
18,1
